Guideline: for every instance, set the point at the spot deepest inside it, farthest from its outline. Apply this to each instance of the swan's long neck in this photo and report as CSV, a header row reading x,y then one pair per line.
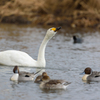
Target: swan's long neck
x,y
41,55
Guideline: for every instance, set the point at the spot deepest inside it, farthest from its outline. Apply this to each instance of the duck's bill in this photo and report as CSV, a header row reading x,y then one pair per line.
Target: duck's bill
x,y
82,73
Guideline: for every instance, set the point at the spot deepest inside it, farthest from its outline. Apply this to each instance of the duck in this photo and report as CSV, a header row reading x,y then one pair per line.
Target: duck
x,y
47,83
90,75
39,77
20,58
22,75
77,40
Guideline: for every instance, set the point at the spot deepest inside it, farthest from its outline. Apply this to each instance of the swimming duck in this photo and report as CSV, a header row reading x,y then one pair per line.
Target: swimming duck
x,y
90,75
39,78
47,83
22,75
77,40
20,58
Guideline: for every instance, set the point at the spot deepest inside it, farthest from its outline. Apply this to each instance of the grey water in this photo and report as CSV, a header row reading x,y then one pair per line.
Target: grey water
x,y
64,60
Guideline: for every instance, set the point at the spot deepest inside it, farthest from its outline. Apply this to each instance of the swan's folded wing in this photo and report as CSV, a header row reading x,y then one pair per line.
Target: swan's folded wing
x,y
14,57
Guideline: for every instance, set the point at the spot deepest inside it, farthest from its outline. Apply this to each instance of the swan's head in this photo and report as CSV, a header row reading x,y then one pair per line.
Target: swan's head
x,y
52,31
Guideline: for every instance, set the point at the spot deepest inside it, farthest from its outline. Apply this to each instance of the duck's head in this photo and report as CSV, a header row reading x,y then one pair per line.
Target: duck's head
x,y
52,31
44,74
87,70
45,77
16,69
74,37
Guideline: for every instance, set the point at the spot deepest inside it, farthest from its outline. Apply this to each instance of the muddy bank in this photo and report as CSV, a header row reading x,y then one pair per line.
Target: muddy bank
x,y
72,13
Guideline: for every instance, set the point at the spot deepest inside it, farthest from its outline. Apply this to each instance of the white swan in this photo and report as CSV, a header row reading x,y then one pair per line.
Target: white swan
x,y
20,58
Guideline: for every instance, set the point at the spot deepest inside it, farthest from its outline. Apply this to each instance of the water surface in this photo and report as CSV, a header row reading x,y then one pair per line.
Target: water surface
x,y
65,60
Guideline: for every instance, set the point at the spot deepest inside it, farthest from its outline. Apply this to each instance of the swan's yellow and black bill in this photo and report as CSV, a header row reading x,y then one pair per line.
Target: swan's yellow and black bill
x,y
56,29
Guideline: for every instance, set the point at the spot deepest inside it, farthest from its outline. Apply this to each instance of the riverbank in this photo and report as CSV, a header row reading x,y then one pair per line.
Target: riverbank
x,y
72,13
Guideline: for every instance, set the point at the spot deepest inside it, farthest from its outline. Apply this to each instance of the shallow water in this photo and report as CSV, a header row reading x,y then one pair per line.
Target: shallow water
x,y
65,60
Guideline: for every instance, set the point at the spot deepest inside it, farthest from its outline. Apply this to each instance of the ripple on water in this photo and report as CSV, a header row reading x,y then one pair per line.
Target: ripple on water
x,y
65,60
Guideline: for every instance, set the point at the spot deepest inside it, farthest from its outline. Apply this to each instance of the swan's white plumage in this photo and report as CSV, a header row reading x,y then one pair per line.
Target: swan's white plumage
x,y
14,57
